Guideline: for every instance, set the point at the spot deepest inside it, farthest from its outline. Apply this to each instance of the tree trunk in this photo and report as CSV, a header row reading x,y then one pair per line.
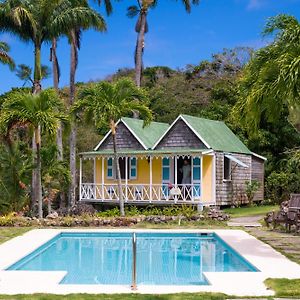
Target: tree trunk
x,y
39,196
72,189
117,167
37,87
55,69
36,186
59,131
140,50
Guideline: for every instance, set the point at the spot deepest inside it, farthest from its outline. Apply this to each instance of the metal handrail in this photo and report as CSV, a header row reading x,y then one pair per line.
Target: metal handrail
x,y
134,285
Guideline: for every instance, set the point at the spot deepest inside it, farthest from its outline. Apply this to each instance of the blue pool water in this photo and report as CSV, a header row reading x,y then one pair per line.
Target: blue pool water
x,y
162,258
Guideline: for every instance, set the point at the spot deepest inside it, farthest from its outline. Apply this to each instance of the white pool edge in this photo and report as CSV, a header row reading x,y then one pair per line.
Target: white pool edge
x,y
269,262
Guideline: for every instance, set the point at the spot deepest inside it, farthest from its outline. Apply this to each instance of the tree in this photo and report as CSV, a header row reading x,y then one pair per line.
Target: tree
x,y
95,21
41,113
141,10
24,73
4,56
105,103
270,82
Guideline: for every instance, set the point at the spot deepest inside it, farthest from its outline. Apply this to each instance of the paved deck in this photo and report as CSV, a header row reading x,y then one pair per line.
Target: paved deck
x,y
270,263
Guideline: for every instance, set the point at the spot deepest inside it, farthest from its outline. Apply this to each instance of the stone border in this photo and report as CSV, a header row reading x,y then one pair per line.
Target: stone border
x,y
270,263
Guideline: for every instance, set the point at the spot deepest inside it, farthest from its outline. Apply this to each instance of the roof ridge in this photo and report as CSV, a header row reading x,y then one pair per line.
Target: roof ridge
x,y
133,119
201,118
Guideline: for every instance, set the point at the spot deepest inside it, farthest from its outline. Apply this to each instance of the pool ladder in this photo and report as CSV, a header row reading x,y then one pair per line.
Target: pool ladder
x,y
134,285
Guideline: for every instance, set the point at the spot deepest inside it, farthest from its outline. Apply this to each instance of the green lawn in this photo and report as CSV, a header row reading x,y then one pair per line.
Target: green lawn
x,y
285,287
250,211
7,233
202,296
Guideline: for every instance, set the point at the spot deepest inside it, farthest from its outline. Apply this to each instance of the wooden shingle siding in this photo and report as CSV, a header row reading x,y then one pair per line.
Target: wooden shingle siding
x,y
230,192
258,170
125,140
180,136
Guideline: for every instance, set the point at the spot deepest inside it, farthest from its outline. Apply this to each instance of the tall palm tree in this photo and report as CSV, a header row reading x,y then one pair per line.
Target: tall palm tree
x,y
4,56
105,103
270,82
141,10
95,21
40,112
39,21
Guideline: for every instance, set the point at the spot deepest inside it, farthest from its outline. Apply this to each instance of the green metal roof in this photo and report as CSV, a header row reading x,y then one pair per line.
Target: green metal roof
x,y
148,135
216,134
130,152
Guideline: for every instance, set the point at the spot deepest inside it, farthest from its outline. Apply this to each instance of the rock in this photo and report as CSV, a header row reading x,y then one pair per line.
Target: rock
x,y
82,209
52,216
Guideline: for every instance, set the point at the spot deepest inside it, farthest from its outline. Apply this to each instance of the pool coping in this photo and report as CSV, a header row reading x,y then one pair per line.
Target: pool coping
x,y
268,261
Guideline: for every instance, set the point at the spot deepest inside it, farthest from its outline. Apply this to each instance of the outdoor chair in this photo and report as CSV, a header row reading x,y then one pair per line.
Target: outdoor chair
x,y
293,212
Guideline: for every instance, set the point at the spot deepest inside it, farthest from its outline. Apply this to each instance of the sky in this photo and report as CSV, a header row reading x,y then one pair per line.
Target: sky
x,y
175,38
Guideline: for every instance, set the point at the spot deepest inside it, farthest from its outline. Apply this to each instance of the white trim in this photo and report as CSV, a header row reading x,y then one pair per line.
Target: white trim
x,y
259,156
104,138
232,158
214,172
190,127
230,171
130,130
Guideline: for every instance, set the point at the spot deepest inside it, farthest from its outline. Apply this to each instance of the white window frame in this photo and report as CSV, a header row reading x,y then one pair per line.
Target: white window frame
x,y
230,174
110,168
131,167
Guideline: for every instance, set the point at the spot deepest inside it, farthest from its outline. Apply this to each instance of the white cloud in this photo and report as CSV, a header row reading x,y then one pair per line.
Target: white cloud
x,y
255,4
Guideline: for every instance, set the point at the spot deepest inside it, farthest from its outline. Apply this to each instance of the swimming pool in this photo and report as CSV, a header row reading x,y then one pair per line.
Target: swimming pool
x,y
162,258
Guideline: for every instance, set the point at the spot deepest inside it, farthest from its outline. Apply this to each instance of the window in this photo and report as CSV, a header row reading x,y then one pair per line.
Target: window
x,y
131,164
227,169
110,168
133,168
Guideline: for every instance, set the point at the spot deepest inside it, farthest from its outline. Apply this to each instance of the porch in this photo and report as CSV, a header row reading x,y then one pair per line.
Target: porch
x,y
149,177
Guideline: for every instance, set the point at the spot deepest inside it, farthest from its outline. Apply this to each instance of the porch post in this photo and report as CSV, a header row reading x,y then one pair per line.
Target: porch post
x,y
176,179
102,177
80,177
151,179
126,177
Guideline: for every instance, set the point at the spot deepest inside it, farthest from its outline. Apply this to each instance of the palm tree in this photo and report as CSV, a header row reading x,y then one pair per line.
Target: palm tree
x,y
105,103
40,112
270,82
95,21
141,10
4,56
39,21
24,73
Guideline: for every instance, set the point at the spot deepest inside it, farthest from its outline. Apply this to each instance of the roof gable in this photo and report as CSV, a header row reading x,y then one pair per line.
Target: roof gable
x,y
145,136
180,135
216,134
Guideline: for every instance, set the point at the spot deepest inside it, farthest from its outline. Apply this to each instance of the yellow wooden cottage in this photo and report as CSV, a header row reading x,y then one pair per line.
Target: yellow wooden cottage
x,y
193,160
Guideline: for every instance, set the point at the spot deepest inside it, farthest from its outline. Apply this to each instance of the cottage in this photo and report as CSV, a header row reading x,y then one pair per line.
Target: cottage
x,y
193,160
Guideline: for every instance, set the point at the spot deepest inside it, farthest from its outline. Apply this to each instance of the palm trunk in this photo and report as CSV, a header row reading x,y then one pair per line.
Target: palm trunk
x,y
59,142
36,185
37,87
39,197
117,167
72,189
59,131
140,50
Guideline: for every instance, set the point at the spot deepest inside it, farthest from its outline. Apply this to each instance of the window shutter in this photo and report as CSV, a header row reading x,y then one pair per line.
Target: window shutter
x,y
133,168
110,168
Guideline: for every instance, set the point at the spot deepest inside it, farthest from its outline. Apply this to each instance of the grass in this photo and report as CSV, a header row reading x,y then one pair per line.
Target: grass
x,y
284,287
250,211
202,296
7,233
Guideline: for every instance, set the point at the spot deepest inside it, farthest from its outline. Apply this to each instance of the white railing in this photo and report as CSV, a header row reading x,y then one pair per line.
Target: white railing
x,y
141,193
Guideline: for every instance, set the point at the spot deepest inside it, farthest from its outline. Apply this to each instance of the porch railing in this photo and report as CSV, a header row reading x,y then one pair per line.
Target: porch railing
x,y
141,193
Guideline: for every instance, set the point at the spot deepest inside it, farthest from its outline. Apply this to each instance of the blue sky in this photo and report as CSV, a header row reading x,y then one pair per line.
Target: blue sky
x,y
175,38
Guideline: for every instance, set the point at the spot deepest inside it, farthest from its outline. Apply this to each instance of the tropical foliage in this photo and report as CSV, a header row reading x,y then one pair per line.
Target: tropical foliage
x,y
4,55
255,92
105,103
